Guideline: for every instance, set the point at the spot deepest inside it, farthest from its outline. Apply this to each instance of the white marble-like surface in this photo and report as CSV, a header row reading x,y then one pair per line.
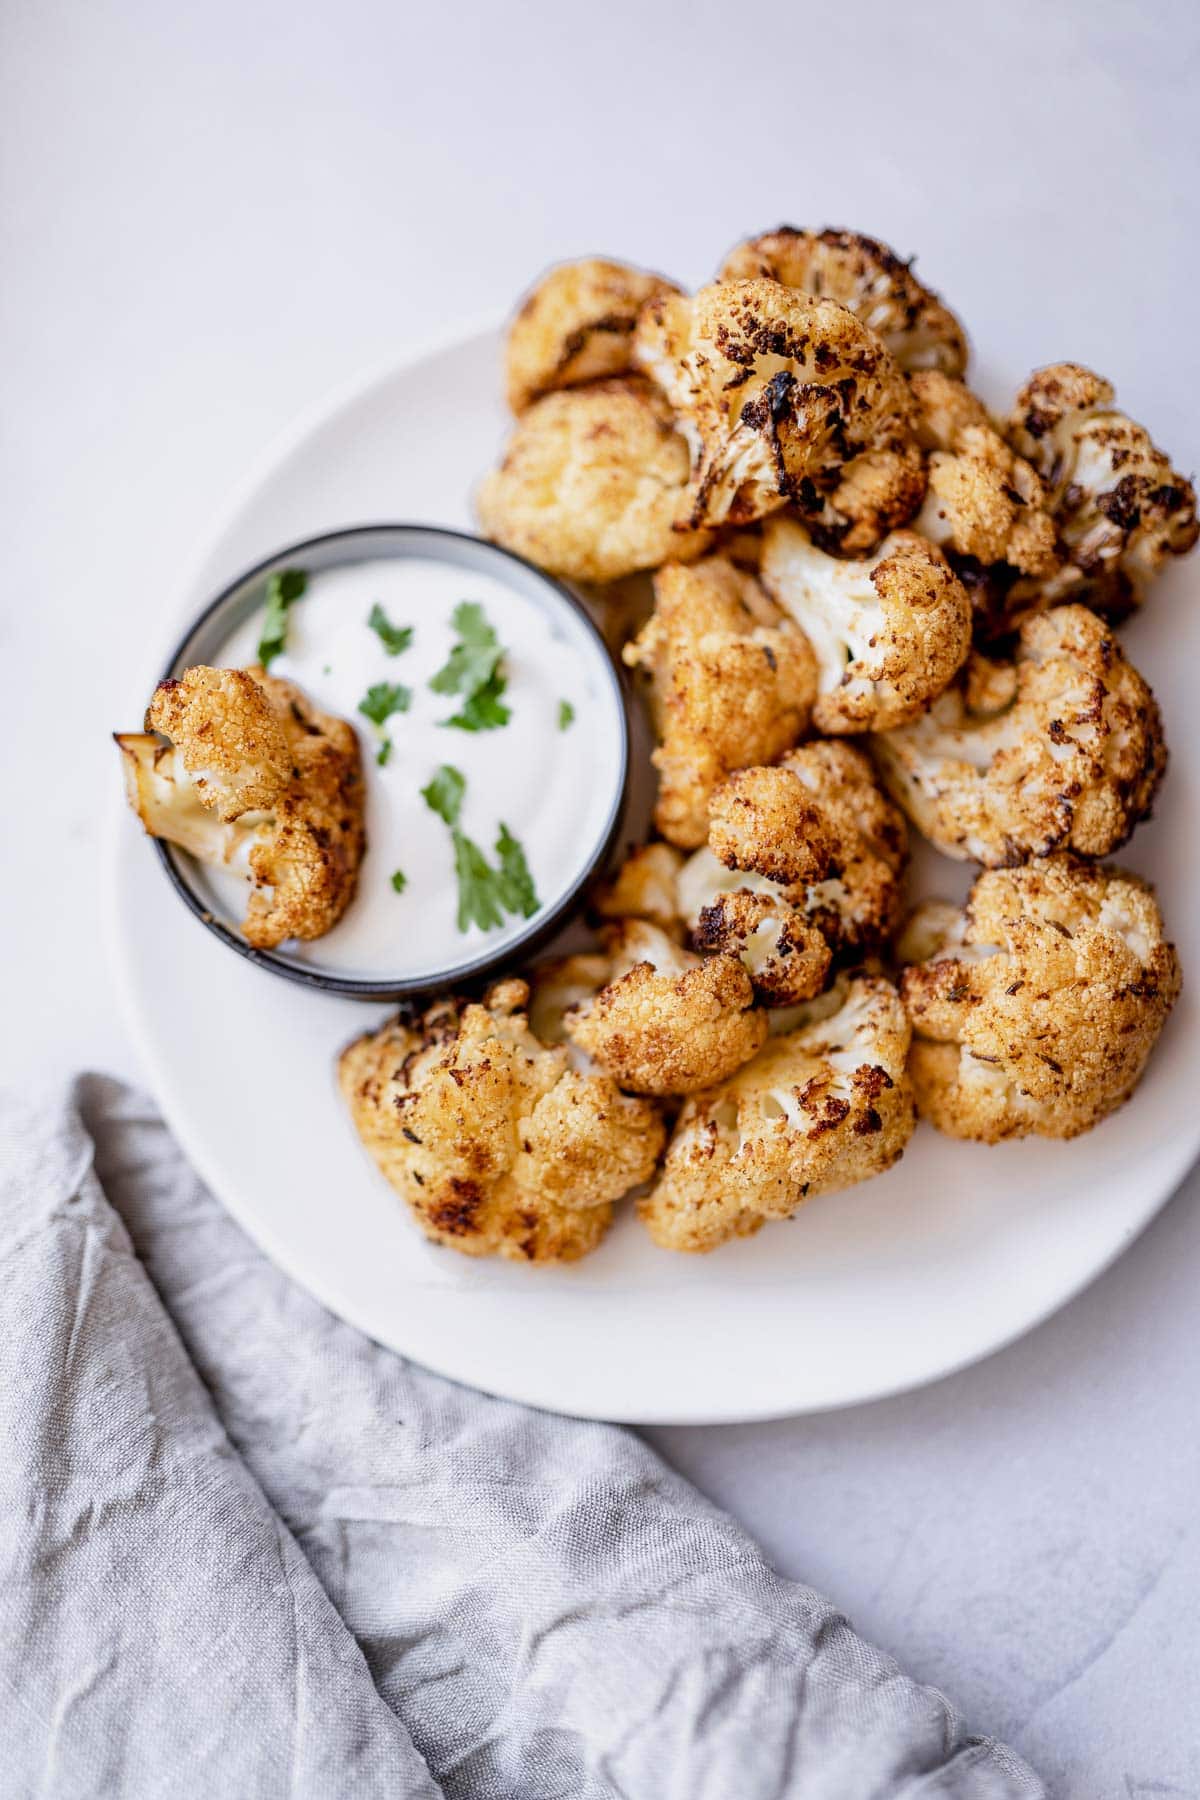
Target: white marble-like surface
x,y
212,215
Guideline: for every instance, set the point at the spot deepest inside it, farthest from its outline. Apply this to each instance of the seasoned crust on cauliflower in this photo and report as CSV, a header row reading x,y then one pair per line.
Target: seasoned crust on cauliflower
x,y
576,325
1062,750
497,1145
1036,1008
1120,507
592,484
819,812
889,632
241,770
662,1020
821,1107
866,276
644,887
777,394
732,682
986,506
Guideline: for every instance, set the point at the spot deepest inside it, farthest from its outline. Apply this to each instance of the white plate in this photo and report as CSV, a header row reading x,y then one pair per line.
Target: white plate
x,y
952,1254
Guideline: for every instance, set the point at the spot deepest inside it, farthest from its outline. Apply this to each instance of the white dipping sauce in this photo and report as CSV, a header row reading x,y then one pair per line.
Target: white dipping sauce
x,y
553,788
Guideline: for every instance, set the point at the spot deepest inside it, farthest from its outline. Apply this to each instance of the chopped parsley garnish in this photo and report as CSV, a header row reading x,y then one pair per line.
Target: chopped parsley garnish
x,y
444,794
385,698
485,893
566,715
473,670
384,753
399,881
394,638
284,587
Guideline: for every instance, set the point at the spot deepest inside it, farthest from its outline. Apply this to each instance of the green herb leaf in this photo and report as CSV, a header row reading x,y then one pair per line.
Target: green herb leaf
x,y
479,899
399,881
384,699
473,670
566,715
284,587
517,891
384,753
394,638
444,794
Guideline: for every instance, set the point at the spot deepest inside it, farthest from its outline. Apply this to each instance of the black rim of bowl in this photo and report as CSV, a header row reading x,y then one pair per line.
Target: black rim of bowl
x,y
458,975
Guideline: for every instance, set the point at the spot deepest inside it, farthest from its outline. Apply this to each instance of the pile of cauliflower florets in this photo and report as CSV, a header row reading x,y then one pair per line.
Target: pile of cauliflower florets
x,y
876,605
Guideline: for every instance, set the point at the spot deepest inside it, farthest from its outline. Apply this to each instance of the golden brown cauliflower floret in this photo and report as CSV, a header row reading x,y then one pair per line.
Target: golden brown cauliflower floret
x,y
986,506
866,276
247,775
592,484
732,683
821,1107
576,325
805,860
644,887
1062,750
662,1020
1035,1009
777,395
498,1146
1120,507
889,632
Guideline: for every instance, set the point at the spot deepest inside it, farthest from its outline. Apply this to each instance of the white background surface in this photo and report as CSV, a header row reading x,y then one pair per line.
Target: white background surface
x,y
211,216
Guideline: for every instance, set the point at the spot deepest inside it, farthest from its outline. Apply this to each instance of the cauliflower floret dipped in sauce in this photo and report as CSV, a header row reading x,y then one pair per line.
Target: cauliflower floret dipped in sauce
x,y
660,1019
593,483
866,276
985,506
1035,1009
498,1146
732,683
889,632
805,861
781,398
576,325
241,770
825,1104
1061,749
1120,507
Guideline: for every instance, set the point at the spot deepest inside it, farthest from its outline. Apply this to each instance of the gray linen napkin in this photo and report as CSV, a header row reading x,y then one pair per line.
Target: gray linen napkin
x,y
246,1551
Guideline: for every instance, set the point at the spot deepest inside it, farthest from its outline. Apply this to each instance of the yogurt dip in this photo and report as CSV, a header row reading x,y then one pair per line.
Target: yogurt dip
x,y
551,774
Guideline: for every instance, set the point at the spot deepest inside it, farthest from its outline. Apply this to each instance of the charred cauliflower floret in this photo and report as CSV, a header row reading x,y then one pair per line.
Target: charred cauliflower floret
x,y
1062,749
241,770
498,1146
889,633
665,1021
732,683
985,506
1120,507
777,395
592,484
805,860
823,1106
866,276
1034,1010
576,325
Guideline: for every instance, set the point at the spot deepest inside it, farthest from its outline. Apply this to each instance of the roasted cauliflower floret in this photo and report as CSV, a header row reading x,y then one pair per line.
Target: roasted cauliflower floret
x,y
592,484
576,325
1034,1010
644,887
732,683
889,633
498,1146
823,1106
986,506
1120,507
869,278
805,860
1062,750
665,1021
241,770
777,395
